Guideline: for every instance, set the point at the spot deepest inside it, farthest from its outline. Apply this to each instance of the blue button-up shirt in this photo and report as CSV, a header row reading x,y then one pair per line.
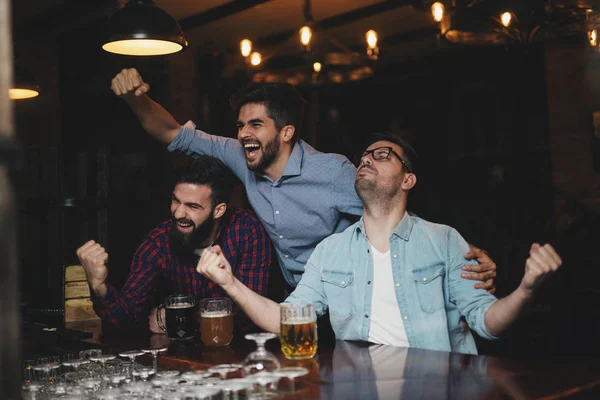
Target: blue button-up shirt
x,y
309,202
431,295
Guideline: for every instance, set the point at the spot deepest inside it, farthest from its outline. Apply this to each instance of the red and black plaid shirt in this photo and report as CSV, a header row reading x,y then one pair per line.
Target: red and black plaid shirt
x,y
244,243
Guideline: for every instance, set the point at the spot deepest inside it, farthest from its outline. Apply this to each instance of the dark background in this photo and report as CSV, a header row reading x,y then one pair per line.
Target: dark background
x,y
504,135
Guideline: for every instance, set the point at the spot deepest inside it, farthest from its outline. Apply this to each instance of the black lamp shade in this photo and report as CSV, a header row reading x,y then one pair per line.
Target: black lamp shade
x,y
143,29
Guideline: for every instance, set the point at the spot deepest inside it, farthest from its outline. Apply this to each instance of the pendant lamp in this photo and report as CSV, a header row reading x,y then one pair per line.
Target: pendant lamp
x,y
24,86
143,29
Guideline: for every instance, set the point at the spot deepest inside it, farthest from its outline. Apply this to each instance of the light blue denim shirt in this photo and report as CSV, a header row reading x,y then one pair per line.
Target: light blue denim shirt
x,y
309,202
426,263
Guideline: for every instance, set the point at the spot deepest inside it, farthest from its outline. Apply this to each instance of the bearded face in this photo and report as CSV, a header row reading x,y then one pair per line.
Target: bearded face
x,y
185,236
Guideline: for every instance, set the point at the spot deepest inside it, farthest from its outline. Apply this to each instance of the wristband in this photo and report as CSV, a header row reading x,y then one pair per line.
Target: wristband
x,y
159,321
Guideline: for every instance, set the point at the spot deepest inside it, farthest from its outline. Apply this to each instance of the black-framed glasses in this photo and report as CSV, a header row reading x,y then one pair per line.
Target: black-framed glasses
x,y
383,153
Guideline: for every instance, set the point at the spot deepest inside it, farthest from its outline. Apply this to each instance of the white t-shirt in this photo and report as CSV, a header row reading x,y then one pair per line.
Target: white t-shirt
x,y
386,322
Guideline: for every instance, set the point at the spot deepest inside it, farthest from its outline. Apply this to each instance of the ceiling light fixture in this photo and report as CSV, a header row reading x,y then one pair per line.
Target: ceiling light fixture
x,y
143,29
500,22
320,58
24,86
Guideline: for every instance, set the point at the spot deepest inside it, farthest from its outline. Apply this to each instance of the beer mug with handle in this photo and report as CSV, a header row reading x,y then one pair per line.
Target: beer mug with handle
x,y
216,321
180,311
298,331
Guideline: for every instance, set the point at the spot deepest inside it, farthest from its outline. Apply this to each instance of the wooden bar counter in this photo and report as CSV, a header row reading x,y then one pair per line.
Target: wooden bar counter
x,y
352,370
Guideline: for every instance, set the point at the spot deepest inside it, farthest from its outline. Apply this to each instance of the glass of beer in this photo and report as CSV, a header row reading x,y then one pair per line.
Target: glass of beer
x,y
298,331
216,321
180,310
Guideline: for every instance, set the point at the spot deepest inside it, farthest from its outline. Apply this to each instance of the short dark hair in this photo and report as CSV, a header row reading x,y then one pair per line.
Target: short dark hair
x,y
284,104
410,155
209,171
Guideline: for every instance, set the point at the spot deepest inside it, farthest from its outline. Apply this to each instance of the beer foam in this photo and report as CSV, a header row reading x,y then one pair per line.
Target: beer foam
x,y
214,314
299,321
180,305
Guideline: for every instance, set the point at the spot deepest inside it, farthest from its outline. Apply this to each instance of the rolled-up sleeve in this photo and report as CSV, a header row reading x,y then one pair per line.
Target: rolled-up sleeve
x,y
472,303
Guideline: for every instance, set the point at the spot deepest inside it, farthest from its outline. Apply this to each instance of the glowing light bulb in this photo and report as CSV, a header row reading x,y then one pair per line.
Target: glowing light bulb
x,y
371,39
437,10
593,37
246,47
305,35
506,19
255,58
317,67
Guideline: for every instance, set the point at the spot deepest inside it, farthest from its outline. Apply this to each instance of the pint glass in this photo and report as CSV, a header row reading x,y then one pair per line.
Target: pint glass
x,y
298,331
216,321
180,310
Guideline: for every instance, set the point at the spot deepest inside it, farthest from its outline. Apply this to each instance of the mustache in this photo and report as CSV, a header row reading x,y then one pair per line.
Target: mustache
x,y
365,166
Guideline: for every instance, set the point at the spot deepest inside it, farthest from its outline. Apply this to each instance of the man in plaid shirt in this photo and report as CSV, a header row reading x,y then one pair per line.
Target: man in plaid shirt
x,y
200,218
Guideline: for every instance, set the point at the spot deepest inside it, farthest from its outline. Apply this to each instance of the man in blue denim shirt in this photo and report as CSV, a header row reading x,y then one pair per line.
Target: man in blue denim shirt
x,y
393,278
300,195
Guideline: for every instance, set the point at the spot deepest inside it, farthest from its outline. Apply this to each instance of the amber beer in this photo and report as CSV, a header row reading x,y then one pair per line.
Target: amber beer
x,y
216,321
180,313
299,339
298,331
216,328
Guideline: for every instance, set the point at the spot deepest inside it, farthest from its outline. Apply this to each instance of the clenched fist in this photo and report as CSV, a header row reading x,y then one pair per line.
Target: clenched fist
x,y
542,262
93,258
215,266
129,82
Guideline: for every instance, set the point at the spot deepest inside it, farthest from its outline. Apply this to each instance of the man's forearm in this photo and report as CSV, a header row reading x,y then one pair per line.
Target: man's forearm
x,y
264,312
504,312
157,121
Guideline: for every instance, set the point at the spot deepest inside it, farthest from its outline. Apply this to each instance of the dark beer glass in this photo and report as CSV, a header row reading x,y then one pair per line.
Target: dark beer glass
x,y
181,317
216,321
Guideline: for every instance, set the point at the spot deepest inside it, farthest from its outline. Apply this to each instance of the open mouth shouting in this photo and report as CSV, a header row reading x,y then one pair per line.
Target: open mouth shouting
x,y
185,225
251,150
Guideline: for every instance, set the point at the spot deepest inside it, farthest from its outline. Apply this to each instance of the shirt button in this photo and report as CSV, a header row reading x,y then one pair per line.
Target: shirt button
x,y
405,317
280,236
366,315
395,255
286,256
424,279
368,283
277,212
397,285
343,282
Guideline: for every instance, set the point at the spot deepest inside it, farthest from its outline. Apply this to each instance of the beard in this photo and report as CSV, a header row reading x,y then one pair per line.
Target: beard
x,y
185,244
365,188
270,152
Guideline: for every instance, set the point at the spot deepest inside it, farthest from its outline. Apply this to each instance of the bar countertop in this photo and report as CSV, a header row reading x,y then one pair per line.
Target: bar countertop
x,y
353,370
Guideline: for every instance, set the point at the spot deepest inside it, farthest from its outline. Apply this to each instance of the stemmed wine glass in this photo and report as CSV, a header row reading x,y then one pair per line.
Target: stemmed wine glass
x,y
260,359
155,352
102,359
131,355
224,369
291,373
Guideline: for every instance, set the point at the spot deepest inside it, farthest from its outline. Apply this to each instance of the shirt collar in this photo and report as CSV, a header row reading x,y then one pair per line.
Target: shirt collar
x,y
294,163
402,230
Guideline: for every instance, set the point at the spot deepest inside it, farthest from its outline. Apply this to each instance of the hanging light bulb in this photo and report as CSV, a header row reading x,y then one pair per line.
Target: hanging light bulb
x,y
305,35
437,10
317,66
371,39
372,49
143,29
255,58
246,47
593,37
506,19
